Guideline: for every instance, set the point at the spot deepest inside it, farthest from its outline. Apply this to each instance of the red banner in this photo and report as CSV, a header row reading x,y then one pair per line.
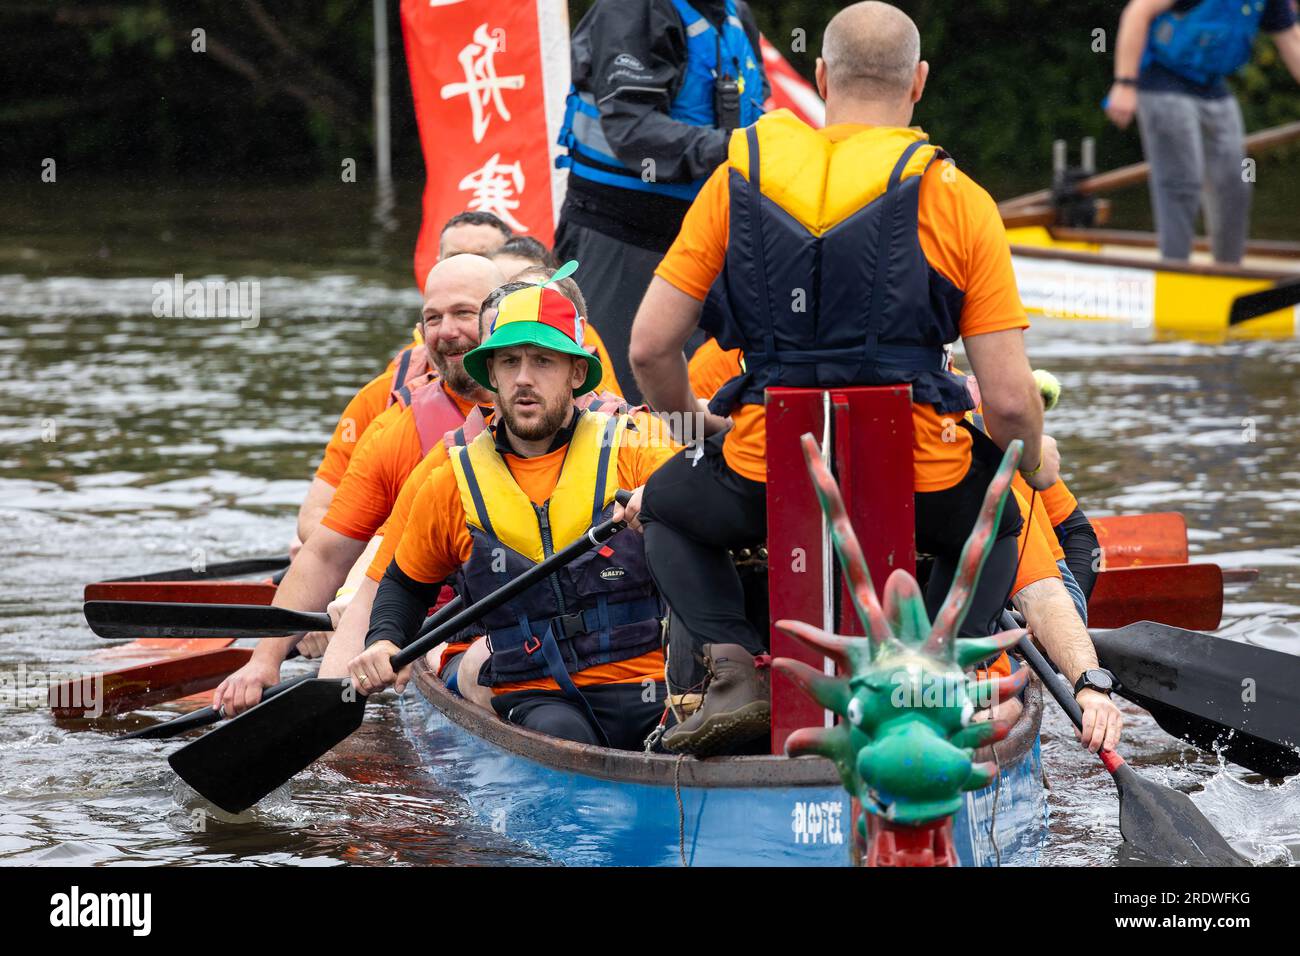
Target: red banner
x,y
488,80
789,89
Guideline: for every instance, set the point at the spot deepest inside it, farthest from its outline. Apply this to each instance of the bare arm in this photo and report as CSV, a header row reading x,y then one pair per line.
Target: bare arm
x,y
1056,625
1013,407
1288,47
314,506
313,578
663,323
349,638
1134,28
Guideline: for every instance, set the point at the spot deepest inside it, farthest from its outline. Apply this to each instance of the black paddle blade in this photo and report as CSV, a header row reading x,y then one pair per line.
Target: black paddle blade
x,y
177,725
242,761
1281,296
213,572
207,715
1164,825
128,620
1212,692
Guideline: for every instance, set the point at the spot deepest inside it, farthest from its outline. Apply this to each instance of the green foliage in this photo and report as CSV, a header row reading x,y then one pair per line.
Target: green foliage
x,y
287,91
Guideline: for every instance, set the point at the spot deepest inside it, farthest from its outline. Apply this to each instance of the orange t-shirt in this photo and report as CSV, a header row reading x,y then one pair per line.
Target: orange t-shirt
x,y
436,541
366,405
963,238
608,380
395,525
1036,545
1059,501
712,367
383,461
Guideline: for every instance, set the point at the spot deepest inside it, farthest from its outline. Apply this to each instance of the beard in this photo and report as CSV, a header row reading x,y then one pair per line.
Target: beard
x,y
538,427
452,369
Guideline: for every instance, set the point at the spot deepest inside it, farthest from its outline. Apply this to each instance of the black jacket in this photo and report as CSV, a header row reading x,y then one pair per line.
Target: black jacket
x,y
630,56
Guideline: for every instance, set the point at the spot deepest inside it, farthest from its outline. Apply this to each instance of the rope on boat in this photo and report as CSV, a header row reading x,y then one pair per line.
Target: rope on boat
x,y
681,811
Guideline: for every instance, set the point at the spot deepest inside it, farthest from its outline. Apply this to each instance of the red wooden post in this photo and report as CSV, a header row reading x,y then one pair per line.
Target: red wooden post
x,y
871,455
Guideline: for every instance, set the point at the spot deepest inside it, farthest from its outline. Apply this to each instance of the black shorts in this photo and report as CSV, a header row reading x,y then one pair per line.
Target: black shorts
x,y
627,712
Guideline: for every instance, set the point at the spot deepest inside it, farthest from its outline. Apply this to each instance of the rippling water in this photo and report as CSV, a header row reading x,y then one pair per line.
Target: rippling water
x,y
130,443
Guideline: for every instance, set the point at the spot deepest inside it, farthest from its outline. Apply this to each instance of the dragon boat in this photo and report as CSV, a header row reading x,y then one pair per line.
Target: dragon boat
x,y
968,794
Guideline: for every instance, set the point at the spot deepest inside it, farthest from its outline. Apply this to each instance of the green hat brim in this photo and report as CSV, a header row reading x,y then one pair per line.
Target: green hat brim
x,y
531,333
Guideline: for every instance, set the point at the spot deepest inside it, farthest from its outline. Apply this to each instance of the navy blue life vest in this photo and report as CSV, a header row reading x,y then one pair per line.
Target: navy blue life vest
x,y
589,154
1212,40
601,608
857,303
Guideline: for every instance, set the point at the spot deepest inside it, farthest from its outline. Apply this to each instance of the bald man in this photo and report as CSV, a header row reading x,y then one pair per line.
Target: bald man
x,y
478,233
389,452
896,253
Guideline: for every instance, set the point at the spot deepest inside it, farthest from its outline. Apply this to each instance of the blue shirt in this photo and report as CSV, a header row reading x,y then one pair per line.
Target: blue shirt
x,y
1154,78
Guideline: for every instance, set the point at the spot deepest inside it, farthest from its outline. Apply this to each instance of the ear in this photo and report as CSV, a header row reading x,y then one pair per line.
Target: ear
x,y
492,369
579,374
918,81
819,77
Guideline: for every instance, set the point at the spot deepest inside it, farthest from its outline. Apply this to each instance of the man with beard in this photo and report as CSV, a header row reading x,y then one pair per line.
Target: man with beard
x,y
578,656
389,452
350,610
477,233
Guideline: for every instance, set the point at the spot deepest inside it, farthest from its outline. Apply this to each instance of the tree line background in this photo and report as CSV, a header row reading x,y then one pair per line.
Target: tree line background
x,y
284,88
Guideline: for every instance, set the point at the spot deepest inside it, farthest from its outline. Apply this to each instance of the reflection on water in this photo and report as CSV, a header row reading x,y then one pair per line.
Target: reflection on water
x,y
129,443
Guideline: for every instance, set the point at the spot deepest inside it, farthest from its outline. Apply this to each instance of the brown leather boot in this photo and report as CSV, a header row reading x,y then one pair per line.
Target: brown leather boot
x,y
737,704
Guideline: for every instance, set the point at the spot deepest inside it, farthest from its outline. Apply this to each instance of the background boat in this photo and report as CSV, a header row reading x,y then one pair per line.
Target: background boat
x,y
1118,276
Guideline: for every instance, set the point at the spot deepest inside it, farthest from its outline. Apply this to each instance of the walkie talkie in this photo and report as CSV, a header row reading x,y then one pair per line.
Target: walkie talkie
x,y
726,93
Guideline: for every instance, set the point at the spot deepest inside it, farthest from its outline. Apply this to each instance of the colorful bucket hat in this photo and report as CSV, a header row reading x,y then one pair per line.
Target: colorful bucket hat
x,y
538,316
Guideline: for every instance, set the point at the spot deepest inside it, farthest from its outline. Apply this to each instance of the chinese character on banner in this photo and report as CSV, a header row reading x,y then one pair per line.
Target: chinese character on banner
x,y
488,80
493,188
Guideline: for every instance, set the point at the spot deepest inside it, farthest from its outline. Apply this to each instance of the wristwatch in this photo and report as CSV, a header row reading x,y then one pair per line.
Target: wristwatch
x,y
1098,679
1126,81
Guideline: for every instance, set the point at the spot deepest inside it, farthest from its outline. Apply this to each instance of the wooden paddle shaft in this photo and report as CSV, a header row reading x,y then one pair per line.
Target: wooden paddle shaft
x,y
1139,172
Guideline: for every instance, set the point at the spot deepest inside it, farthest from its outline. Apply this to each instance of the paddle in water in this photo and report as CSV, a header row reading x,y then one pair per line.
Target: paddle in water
x,y
242,761
1238,700
1157,821
211,572
210,715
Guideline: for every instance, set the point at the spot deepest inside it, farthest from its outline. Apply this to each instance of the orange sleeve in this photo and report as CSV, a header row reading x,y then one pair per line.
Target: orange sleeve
x,y
1060,502
963,237
608,380
395,526
641,454
436,541
1036,562
375,475
712,367
695,258
366,405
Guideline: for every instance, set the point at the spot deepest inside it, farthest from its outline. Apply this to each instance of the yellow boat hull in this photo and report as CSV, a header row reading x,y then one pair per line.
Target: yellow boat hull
x,y
1071,279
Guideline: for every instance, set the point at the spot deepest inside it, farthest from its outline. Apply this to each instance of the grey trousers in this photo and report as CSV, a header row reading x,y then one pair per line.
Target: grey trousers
x,y
613,277
1195,147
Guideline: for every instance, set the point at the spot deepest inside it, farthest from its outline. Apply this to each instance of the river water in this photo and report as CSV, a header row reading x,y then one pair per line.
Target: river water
x,y
131,443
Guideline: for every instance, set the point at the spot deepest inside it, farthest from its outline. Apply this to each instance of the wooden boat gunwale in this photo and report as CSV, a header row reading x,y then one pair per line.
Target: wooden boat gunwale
x,y
1151,265
626,766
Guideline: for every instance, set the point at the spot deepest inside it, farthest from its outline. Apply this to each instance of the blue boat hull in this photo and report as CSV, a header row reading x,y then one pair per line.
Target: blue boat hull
x,y
585,806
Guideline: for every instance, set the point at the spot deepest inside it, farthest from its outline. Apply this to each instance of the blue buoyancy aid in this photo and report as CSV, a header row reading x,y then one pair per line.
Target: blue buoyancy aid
x,y
589,154
847,300
601,608
1212,40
